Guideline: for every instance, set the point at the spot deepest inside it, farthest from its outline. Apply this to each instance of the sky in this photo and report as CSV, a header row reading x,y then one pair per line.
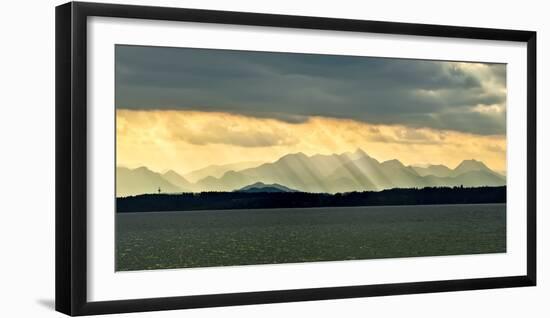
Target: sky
x,y
184,109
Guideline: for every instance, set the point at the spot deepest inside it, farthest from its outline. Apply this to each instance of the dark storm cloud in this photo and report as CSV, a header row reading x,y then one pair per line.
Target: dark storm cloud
x,y
291,87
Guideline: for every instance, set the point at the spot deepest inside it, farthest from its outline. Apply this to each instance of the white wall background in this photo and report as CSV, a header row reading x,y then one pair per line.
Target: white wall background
x,y
27,158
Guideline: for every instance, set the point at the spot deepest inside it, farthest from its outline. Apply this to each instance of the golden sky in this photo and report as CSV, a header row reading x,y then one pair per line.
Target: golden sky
x,y
188,140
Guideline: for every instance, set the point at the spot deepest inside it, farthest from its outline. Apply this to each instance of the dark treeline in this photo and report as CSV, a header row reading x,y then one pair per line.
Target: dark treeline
x,y
244,200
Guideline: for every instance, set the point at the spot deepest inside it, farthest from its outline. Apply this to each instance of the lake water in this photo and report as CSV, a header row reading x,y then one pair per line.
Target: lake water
x,y
161,240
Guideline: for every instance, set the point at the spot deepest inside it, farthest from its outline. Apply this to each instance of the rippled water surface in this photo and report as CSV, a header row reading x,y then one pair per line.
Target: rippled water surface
x,y
160,240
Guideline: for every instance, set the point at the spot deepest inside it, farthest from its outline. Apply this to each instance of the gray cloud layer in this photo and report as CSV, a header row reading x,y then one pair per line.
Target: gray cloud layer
x,y
290,87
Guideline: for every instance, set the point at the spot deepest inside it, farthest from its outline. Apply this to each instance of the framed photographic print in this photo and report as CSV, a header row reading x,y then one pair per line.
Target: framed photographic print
x,y
209,158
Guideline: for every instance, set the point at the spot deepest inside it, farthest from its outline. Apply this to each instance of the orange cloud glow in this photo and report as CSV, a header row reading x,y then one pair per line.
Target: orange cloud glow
x,y
190,140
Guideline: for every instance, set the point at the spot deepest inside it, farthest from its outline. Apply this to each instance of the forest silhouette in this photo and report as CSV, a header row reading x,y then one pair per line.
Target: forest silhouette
x,y
270,200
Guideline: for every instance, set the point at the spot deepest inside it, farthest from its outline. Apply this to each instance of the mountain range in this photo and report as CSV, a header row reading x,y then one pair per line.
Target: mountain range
x,y
346,172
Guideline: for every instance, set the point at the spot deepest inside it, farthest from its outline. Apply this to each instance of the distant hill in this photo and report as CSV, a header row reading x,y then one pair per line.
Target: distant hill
x,y
230,181
434,170
141,180
217,171
267,188
475,178
321,173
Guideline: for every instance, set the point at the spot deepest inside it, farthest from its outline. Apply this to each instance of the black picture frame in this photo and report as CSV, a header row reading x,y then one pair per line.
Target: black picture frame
x,y
71,157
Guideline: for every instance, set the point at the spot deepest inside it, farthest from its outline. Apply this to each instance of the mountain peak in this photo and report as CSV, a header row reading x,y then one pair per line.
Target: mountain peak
x,y
142,169
300,154
469,166
393,162
471,160
357,154
471,163
360,153
294,156
171,173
